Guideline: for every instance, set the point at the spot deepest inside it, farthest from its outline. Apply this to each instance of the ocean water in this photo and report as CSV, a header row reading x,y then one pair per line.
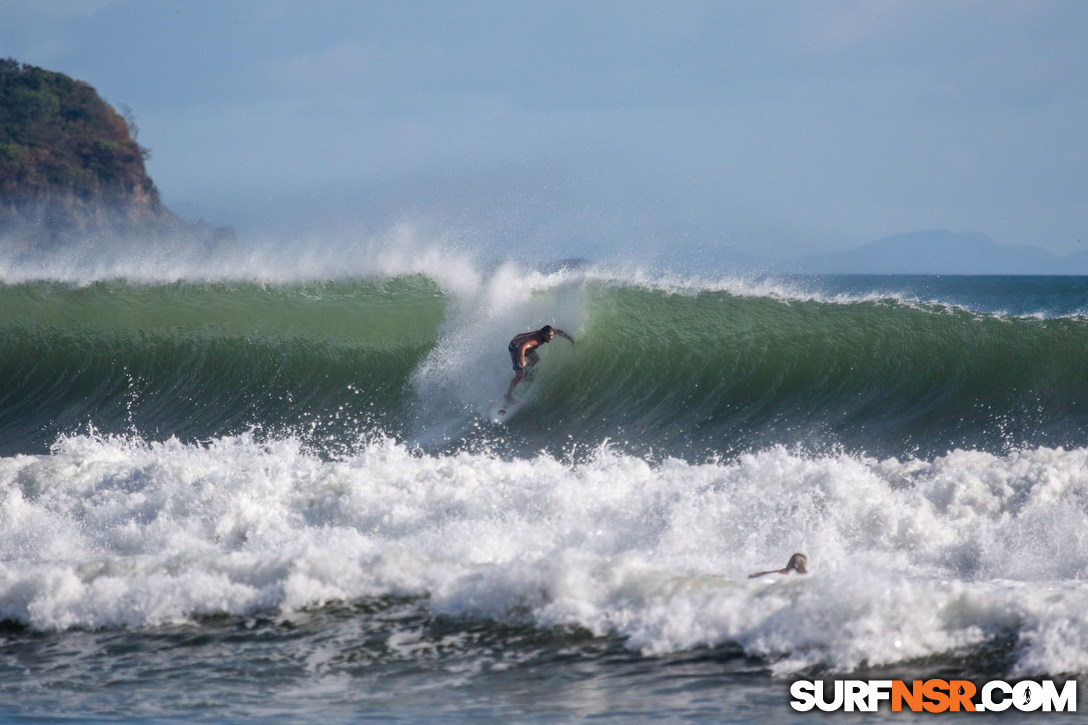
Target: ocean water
x,y
237,491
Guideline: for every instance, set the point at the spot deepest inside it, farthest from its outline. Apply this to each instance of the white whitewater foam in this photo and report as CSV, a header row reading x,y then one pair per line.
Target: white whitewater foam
x,y
908,558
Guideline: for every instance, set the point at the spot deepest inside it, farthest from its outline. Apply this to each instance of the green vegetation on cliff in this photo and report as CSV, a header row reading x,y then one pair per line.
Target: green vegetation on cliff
x,y
68,161
57,134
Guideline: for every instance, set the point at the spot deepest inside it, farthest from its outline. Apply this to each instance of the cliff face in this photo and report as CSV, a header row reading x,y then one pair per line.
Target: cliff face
x,y
69,166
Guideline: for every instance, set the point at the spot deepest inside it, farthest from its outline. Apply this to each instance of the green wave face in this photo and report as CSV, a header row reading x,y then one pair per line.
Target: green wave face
x,y
689,374
716,373
203,361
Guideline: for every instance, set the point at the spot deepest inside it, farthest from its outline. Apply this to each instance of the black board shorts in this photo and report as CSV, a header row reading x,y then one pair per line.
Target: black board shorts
x,y
514,355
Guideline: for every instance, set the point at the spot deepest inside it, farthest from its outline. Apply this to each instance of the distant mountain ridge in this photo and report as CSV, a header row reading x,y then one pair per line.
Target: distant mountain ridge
x,y
944,252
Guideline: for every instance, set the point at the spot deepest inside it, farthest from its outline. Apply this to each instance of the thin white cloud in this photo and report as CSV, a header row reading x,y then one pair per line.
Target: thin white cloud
x,y
844,24
337,69
53,9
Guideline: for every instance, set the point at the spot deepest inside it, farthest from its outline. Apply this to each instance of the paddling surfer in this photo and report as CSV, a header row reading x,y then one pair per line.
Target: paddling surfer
x,y
524,356
797,563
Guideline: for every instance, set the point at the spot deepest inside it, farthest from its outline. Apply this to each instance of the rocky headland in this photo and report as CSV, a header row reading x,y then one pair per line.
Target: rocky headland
x,y
70,166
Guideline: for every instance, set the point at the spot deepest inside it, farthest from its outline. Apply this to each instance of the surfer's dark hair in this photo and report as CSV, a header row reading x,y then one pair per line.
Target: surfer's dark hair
x,y
546,329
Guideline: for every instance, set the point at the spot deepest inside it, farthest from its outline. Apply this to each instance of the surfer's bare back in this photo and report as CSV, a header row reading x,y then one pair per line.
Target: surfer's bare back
x,y
523,353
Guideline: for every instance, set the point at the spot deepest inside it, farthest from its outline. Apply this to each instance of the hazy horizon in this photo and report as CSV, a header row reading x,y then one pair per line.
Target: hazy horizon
x,y
612,129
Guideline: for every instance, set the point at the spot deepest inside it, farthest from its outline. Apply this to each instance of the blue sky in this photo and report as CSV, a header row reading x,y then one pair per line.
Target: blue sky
x,y
598,128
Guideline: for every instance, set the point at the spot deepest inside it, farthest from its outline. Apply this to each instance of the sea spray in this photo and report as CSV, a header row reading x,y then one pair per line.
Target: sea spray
x,y
910,559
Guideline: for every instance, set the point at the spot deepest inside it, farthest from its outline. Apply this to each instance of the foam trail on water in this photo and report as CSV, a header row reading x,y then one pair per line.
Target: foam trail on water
x,y
908,558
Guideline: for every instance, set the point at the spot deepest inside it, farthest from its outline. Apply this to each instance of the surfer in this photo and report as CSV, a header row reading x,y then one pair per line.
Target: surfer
x,y
797,563
524,356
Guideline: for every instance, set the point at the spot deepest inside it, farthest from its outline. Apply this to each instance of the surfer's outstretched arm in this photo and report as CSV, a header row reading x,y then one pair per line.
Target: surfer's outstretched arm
x,y
563,334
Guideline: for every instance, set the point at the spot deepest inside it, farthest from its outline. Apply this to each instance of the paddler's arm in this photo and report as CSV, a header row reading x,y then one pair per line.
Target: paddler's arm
x,y
559,332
